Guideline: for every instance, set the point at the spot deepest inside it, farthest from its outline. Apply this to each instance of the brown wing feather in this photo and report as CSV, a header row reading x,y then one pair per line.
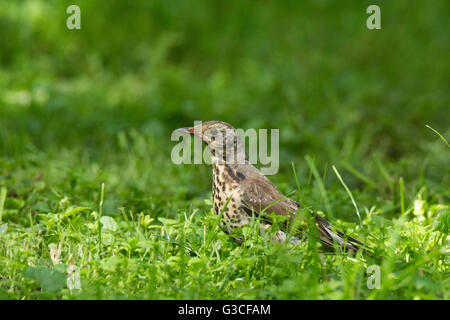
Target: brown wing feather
x,y
260,193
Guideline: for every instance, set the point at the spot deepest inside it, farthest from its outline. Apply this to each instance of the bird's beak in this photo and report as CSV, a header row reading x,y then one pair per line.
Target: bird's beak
x,y
188,130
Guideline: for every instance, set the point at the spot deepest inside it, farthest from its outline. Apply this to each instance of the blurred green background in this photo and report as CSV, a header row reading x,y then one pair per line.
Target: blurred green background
x,y
79,107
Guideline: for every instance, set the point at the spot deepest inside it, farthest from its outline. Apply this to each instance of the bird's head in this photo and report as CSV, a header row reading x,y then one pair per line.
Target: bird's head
x,y
211,132
219,136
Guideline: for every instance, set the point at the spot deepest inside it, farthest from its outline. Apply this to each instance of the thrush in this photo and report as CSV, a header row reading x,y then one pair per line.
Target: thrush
x,y
240,191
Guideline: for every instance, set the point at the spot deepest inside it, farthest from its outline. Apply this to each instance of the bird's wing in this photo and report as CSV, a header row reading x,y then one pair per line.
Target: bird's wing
x,y
260,194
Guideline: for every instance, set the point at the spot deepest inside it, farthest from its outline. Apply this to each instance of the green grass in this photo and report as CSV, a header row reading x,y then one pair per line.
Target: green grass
x,y
91,205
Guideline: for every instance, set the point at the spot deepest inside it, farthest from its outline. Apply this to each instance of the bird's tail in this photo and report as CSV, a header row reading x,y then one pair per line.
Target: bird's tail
x,y
332,238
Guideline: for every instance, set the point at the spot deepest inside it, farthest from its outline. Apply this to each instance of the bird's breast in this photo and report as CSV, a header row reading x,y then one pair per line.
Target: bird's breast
x,y
227,195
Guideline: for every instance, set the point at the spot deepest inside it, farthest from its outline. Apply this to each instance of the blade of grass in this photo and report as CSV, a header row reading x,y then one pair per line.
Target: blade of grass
x,y
100,212
297,182
2,201
440,136
217,222
320,183
312,229
358,174
402,200
349,194
325,173
384,172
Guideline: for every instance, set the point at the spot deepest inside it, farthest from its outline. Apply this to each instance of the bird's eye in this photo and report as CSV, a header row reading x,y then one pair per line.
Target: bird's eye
x,y
213,132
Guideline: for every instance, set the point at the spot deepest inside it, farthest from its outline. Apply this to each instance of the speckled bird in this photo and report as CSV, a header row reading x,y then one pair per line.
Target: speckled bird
x,y
241,191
